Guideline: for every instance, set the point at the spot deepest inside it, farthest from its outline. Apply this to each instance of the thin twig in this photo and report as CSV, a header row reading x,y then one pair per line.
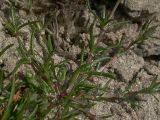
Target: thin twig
x,y
114,9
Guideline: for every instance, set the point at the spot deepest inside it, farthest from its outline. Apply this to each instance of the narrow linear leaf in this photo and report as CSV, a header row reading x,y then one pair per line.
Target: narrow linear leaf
x,y
31,42
9,105
19,64
103,74
22,107
1,79
28,23
83,68
5,49
31,117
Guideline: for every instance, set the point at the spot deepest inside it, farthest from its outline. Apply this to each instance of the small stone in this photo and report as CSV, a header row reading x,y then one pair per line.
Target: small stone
x,y
151,69
134,8
22,13
127,65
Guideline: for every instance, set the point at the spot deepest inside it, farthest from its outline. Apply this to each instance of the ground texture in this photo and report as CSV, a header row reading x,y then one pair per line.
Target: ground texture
x,y
73,19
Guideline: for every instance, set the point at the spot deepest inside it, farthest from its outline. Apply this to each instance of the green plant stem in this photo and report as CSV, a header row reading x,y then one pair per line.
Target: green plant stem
x,y
8,108
74,78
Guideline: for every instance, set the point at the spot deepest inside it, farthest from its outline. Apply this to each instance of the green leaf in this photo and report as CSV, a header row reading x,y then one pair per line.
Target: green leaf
x,y
21,107
50,45
31,50
98,60
104,22
82,69
83,85
27,23
30,81
21,49
91,41
1,79
153,88
5,49
70,115
19,64
8,108
32,115
82,55
103,74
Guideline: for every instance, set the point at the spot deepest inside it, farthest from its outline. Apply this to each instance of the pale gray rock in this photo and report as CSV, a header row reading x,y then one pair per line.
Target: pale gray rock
x,y
137,8
127,65
150,109
10,57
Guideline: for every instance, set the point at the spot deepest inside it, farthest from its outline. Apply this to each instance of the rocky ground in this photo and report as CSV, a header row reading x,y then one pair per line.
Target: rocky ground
x,y
73,20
